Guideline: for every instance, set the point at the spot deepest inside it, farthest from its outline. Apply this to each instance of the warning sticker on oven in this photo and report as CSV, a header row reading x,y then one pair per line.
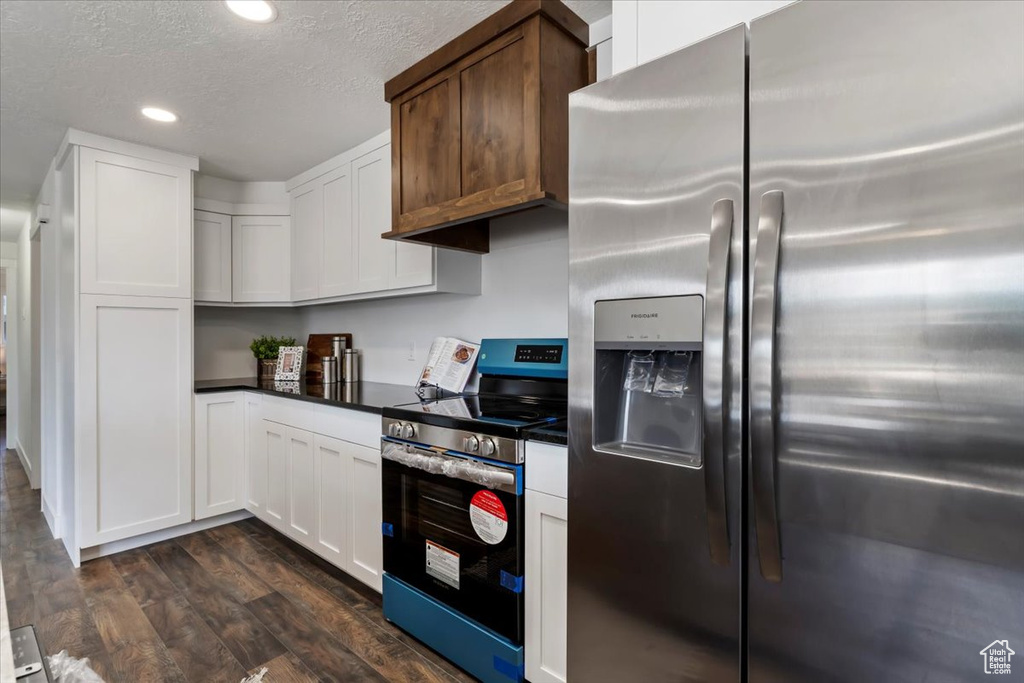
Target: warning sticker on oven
x,y
443,564
487,513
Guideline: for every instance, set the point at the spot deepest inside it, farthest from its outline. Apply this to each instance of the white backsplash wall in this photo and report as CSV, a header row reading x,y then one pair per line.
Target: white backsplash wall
x,y
525,293
223,335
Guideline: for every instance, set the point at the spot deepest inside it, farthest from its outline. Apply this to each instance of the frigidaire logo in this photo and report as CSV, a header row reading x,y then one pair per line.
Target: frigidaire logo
x,y
644,315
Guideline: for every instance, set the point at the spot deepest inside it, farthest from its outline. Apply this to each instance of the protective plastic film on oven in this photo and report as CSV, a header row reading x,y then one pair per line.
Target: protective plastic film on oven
x,y
647,378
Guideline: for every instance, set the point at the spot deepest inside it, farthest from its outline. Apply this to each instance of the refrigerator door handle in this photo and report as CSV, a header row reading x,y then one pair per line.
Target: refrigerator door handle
x,y
715,382
762,385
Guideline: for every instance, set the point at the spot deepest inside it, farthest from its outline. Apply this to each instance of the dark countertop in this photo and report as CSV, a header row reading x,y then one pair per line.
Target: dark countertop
x,y
557,433
369,397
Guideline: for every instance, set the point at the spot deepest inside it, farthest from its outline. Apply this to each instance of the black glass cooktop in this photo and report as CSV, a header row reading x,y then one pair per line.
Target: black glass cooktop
x,y
491,414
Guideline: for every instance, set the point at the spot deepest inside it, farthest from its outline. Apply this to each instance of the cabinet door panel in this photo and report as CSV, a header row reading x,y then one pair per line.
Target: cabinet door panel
x,y
371,175
255,457
302,486
211,234
332,466
261,253
276,439
492,120
546,565
414,266
307,240
219,439
136,226
365,515
135,453
429,154
338,267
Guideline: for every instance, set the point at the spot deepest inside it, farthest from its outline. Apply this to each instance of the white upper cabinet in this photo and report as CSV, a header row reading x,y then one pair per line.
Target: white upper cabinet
x,y
211,265
339,211
135,225
339,259
261,259
307,240
371,190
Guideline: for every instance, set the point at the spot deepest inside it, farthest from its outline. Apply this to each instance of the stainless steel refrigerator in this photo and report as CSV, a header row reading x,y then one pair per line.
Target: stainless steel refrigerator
x,y
796,394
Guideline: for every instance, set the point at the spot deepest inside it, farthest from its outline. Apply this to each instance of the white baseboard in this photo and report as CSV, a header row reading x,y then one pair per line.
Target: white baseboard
x,y
26,464
104,549
52,520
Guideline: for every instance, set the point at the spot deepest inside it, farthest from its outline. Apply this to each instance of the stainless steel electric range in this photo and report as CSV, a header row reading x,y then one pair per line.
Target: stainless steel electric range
x,y
453,506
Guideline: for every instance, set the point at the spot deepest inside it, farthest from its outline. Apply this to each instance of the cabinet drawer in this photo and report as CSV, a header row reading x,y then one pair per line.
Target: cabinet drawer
x,y
547,468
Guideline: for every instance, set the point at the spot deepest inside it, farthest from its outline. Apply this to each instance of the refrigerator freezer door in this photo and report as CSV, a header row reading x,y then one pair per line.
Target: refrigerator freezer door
x,y
654,579
895,133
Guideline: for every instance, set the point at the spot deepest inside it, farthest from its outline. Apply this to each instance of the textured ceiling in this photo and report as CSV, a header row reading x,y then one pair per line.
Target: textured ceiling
x,y
257,102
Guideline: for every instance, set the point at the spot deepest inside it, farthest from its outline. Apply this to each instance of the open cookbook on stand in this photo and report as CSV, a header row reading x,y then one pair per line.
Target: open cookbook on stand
x,y
449,364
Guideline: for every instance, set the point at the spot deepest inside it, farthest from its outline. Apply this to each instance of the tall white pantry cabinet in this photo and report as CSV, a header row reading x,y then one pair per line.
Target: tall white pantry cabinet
x,y
125,306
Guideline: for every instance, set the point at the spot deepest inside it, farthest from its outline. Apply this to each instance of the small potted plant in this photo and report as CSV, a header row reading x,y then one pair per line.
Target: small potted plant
x,y
265,350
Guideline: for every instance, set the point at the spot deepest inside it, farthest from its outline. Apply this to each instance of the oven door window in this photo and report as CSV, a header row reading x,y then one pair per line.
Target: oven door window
x,y
459,542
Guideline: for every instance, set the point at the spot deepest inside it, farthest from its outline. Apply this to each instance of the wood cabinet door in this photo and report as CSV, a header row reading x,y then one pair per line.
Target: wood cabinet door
x,y
371,183
275,443
366,559
301,486
494,119
339,257
427,158
134,416
211,262
307,240
332,500
135,222
261,259
255,457
219,444
546,589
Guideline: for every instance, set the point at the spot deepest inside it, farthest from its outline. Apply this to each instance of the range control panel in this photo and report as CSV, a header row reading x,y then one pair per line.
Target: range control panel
x,y
537,353
531,358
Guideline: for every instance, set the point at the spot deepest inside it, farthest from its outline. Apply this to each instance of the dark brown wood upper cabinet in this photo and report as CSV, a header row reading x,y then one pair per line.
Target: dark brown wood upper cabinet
x,y
480,127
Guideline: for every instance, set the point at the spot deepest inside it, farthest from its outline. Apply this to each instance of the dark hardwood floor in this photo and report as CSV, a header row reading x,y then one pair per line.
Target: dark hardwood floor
x,y
211,606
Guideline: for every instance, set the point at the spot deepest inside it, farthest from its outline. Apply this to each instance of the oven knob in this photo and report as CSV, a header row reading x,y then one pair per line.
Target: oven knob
x,y
487,447
408,431
471,444
395,429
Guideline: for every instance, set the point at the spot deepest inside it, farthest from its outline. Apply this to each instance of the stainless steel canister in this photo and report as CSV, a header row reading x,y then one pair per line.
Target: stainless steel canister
x,y
350,366
338,346
330,369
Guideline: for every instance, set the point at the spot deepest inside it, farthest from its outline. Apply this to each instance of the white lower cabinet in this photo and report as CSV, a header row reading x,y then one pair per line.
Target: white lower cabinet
x,y
332,484
274,441
365,515
319,490
218,468
547,536
301,486
133,415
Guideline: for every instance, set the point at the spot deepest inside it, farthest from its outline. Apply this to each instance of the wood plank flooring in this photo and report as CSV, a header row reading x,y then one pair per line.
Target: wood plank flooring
x,y
212,606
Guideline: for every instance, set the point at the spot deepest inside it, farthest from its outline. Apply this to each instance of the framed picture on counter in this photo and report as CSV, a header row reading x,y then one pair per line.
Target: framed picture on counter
x,y
289,364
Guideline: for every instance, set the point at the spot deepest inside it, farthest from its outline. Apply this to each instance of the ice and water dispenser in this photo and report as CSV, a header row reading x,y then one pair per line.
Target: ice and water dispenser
x,y
647,378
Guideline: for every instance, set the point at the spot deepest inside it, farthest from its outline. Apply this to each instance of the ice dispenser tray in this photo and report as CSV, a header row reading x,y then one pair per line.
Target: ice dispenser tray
x,y
647,378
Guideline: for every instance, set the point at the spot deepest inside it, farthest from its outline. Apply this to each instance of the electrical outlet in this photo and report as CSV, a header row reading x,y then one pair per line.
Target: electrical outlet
x,y
412,351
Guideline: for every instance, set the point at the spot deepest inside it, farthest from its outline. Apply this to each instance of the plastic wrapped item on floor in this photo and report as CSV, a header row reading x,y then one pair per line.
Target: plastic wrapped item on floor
x,y
67,669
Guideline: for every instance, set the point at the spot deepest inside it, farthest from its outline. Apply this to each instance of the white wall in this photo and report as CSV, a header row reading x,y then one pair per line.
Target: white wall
x,y
647,29
236,192
9,262
525,293
222,337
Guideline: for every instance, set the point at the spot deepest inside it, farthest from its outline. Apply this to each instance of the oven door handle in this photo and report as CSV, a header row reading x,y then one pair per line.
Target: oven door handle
x,y
491,476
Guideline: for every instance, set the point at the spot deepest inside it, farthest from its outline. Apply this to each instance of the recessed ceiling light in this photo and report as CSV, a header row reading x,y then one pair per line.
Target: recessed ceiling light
x,y
260,11
158,114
